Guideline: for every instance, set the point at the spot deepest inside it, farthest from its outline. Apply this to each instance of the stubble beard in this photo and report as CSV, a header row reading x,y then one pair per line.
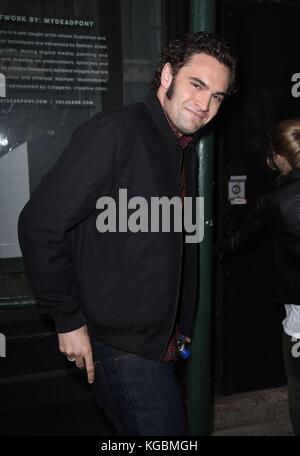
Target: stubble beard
x,y
169,96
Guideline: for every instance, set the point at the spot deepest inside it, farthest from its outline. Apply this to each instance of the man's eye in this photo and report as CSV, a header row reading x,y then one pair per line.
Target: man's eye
x,y
195,84
218,98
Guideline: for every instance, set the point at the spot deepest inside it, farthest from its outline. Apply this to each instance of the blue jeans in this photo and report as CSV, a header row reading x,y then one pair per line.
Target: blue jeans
x,y
140,396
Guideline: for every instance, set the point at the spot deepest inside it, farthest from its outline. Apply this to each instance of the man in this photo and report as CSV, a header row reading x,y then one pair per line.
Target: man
x,y
119,298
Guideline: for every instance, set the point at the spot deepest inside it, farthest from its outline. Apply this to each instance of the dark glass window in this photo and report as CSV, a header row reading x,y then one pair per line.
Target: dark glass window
x,y
60,63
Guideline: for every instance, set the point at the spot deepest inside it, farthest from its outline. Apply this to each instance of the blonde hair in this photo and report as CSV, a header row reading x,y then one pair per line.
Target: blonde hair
x,y
284,139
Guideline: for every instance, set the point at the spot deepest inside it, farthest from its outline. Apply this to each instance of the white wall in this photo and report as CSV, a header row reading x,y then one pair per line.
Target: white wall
x,y
14,193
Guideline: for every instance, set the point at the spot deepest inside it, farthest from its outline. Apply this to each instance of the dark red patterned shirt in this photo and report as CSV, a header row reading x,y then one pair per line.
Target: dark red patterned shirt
x,y
171,353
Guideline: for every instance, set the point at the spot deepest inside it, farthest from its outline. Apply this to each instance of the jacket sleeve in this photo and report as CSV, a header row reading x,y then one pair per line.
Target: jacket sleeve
x,y
254,229
66,196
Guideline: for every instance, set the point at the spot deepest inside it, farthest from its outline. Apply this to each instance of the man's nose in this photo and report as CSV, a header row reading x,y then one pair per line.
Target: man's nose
x,y
203,100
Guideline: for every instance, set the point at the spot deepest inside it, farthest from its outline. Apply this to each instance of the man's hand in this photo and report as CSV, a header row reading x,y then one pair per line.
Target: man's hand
x,y
76,344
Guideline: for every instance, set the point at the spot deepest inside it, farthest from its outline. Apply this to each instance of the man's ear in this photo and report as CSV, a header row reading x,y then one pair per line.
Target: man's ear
x,y
166,76
280,158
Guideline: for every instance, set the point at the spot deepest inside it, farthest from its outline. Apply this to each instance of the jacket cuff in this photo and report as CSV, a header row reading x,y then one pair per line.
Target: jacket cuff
x,y
65,322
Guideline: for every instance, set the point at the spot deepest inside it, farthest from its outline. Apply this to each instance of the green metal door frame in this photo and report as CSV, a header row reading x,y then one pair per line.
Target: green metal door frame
x,y
203,15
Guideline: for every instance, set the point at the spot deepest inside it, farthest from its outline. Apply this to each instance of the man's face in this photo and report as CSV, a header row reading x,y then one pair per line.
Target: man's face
x,y
194,96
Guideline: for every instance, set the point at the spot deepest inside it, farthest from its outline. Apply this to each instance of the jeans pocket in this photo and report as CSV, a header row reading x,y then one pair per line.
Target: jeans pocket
x,y
101,389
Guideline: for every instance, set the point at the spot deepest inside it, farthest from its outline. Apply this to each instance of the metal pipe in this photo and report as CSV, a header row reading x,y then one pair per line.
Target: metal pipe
x,y
203,15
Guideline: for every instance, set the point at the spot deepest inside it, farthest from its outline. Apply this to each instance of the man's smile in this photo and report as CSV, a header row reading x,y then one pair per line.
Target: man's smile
x,y
198,114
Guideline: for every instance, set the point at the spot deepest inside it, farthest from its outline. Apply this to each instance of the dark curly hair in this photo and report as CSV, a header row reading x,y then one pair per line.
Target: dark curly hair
x,y
180,50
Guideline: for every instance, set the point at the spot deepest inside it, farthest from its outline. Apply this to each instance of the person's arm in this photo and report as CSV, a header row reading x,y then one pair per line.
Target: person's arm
x,y
66,196
254,229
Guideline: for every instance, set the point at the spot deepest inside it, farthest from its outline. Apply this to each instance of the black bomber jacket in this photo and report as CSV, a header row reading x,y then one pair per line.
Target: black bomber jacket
x,y
276,213
129,288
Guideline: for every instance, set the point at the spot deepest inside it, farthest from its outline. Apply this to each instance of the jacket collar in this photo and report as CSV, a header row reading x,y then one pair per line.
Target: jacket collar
x,y
294,174
158,116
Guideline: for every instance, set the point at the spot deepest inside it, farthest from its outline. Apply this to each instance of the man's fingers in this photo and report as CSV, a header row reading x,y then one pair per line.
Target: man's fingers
x,y
90,368
80,362
85,362
76,346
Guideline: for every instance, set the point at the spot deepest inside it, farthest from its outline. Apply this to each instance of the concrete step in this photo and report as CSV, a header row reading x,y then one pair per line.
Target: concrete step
x,y
263,412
